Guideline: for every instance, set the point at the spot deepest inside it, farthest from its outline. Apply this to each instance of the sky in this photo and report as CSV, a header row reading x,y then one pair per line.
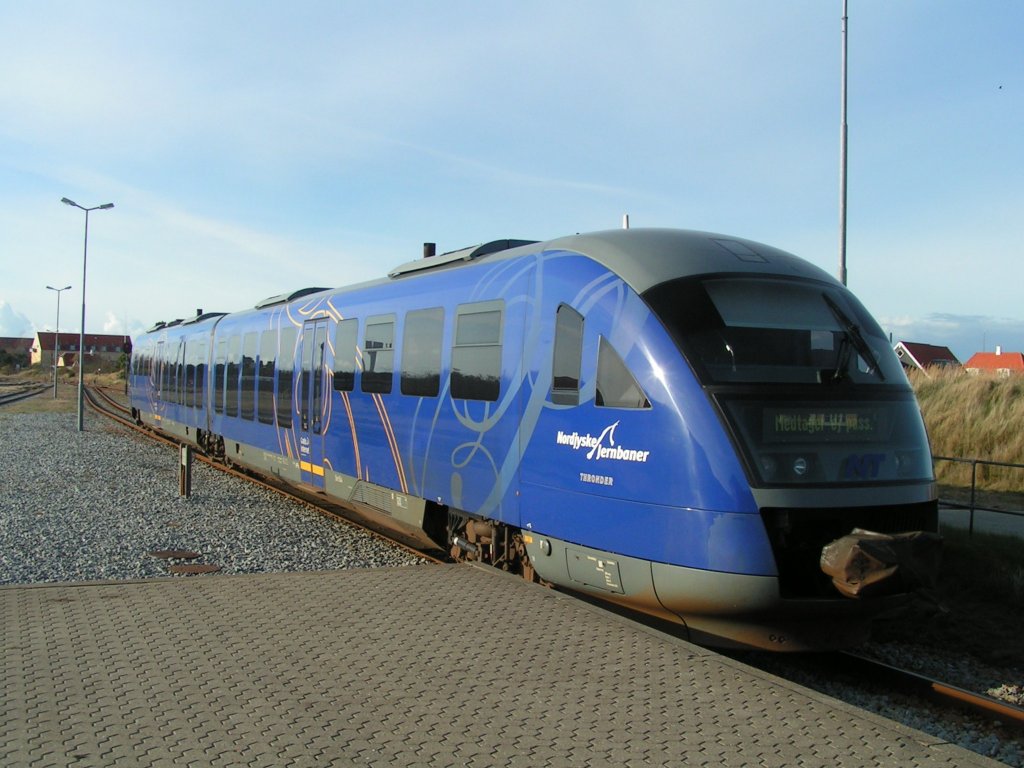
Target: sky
x,y
250,149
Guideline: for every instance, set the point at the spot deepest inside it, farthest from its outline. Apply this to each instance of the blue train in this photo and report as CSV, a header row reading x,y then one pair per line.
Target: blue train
x,y
675,421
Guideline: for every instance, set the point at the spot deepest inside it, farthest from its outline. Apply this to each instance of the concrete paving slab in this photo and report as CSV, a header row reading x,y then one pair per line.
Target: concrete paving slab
x,y
428,665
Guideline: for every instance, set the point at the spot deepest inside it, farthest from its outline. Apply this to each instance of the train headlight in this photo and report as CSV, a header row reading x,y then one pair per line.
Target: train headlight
x,y
911,464
789,468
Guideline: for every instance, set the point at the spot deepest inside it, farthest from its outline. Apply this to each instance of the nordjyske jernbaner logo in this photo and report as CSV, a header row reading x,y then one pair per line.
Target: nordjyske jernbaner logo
x,y
601,447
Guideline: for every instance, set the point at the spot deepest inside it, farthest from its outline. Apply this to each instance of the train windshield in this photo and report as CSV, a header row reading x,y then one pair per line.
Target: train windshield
x,y
805,378
774,330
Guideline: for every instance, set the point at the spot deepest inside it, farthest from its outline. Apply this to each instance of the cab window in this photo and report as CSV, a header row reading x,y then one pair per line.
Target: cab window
x,y
616,386
568,356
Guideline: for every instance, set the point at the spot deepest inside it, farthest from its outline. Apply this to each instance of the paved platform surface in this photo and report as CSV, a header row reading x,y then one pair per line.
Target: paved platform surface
x,y
431,665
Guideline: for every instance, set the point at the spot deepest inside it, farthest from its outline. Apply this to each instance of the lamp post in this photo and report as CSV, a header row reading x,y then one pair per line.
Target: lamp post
x,y
81,336
56,337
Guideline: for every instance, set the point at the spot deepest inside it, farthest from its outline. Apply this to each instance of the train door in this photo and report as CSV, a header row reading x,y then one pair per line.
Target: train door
x,y
314,399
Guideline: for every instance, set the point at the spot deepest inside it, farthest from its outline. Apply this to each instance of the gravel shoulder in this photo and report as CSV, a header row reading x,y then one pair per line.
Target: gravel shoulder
x,y
92,505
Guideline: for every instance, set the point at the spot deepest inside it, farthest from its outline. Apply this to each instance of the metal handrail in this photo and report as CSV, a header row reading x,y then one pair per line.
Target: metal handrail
x,y
974,484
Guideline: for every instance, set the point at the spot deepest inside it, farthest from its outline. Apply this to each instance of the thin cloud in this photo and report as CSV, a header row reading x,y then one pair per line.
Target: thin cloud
x,y
964,334
13,323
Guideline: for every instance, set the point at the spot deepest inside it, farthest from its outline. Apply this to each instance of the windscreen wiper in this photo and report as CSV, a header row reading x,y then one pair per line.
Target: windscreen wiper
x,y
853,334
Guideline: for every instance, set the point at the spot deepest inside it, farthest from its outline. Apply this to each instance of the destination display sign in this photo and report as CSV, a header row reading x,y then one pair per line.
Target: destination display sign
x,y
830,424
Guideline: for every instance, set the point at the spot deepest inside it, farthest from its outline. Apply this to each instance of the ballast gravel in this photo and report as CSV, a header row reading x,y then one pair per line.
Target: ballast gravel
x,y
93,505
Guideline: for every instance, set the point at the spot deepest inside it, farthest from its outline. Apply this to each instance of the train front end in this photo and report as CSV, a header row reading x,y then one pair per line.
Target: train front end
x,y
768,418
831,439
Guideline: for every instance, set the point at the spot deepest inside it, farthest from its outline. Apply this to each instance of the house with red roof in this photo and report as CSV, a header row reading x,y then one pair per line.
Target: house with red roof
x,y
101,350
999,363
924,356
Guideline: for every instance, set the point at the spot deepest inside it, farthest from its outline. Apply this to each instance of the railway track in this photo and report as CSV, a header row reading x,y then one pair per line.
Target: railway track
x,y
935,690
109,406
109,401
22,393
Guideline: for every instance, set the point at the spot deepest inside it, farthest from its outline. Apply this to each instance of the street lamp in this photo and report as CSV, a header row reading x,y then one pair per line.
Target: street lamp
x,y
56,337
81,336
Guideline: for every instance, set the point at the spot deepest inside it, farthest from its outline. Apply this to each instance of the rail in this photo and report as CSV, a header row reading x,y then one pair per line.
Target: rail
x,y
22,393
891,676
107,406
972,506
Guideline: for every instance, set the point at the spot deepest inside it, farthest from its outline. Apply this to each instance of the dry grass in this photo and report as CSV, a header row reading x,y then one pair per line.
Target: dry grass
x,y
974,417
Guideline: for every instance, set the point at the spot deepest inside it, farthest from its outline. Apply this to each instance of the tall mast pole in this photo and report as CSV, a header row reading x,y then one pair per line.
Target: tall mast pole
x,y
842,161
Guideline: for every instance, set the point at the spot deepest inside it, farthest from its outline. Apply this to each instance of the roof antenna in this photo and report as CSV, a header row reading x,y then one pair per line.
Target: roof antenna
x,y
625,221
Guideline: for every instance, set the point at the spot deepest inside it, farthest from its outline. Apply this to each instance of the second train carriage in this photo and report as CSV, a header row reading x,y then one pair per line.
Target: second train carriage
x,y
677,421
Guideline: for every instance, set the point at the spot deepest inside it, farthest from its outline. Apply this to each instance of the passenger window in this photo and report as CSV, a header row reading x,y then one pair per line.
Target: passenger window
x,y
378,354
616,386
345,354
190,375
268,359
248,392
233,365
218,376
199,358
568,356
177,375
165,374
285,373
421,352
476,356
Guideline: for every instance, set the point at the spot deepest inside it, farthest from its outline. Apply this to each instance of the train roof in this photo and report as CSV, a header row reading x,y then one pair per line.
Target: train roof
x,y
643,258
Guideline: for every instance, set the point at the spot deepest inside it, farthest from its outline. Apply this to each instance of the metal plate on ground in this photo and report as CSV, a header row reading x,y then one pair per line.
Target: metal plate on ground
x,y
175,554
190,569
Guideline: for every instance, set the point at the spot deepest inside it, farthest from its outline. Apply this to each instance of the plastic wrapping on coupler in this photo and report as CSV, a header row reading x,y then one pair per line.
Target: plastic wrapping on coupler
x,y
865,563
